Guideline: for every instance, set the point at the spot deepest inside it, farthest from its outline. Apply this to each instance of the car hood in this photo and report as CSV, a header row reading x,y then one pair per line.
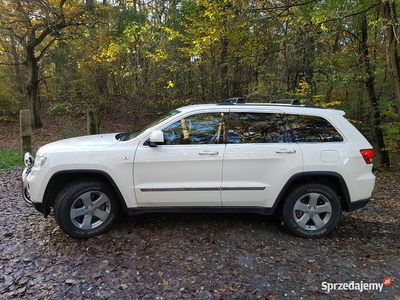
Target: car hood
x,y
86,143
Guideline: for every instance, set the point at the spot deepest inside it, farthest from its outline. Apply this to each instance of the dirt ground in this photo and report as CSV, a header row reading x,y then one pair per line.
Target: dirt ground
x,y
197,256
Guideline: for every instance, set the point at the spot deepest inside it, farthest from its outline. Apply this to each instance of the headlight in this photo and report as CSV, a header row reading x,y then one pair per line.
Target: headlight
x,y
28,160
39,162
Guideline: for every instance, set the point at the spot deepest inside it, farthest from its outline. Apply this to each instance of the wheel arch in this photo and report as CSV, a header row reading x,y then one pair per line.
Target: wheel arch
x,y
331,179
61,178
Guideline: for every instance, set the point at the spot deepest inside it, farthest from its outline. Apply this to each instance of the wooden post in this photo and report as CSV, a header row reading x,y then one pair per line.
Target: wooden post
x,y
25,130
92,121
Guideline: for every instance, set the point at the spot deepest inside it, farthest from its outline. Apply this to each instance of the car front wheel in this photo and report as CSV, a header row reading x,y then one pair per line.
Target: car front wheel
x,y
86,209
311,210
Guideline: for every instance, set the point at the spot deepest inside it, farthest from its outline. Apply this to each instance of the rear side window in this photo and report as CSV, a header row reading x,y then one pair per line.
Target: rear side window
x,y
311,129
248,127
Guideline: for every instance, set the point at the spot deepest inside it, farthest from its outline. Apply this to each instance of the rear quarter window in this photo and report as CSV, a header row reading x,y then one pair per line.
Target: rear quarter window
x,y
312,129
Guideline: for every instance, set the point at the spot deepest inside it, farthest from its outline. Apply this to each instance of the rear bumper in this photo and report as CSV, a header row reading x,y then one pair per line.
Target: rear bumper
x,y
358,204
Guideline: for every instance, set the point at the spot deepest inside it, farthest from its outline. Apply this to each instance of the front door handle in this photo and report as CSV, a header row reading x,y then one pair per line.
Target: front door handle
x,y
207,152
285,151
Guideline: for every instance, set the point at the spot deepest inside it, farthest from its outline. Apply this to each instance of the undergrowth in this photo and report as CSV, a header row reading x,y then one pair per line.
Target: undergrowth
x,y
10,159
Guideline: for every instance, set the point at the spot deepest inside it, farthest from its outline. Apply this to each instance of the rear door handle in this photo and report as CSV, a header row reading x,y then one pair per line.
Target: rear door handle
x,y
207,152
285,151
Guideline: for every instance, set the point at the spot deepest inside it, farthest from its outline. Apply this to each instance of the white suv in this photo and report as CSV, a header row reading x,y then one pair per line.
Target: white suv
x,y
305,163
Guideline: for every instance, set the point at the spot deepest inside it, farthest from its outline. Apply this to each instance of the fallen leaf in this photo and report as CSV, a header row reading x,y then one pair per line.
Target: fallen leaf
x,y
71,281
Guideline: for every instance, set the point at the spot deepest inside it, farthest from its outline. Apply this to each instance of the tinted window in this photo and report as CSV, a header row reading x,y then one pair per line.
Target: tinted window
x,y
132,135
310,129
205,128
256,128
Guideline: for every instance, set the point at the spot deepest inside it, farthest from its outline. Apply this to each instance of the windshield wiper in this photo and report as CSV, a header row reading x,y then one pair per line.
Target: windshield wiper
x,y
122,136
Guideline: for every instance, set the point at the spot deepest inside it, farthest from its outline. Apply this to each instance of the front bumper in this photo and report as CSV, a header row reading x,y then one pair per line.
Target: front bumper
x,y
25,186
26,194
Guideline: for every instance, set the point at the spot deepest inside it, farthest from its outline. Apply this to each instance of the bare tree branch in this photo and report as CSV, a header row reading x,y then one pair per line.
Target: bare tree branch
x,y
62,2
11,64
285,7
351,15
42,53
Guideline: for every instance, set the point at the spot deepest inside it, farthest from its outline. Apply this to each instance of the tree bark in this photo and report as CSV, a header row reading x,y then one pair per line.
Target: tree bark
x,y
370,85
389,17
33,86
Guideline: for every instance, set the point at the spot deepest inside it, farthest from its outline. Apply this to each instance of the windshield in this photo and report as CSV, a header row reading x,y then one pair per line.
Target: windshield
x,y
126,136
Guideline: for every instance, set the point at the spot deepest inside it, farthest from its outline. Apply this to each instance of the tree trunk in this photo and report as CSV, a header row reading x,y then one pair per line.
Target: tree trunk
x,y
19,81
308,61
223,69
90,5
370,85
389,17
33,87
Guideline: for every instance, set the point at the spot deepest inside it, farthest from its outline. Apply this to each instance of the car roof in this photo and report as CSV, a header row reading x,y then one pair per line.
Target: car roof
x,y
287,108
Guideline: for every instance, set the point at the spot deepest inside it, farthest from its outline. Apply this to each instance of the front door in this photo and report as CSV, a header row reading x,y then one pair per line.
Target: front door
x,y
187,169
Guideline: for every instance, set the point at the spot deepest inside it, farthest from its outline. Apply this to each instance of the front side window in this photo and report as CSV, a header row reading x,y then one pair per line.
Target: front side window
x,y
248,127
206,128
126,136
311,129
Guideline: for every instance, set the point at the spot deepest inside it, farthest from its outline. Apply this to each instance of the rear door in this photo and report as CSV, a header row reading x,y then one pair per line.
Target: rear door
x,y
321,143
259,158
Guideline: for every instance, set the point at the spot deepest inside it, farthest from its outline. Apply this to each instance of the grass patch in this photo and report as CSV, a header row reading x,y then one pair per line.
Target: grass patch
x,y
10,159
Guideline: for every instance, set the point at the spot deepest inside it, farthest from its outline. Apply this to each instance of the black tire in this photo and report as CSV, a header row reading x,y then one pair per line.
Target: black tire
x,y
84,209
311,210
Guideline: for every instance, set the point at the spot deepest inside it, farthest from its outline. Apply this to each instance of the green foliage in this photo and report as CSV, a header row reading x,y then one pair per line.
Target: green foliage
x,y
10,159
61,108
392,137
9,98
70,130
304,94
391,125
148,57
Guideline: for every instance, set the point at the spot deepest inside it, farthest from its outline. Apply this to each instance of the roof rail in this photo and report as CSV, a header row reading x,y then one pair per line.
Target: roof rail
x,y
289,101
232,101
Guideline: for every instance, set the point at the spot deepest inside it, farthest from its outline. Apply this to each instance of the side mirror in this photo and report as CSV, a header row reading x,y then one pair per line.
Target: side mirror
x,y
156,138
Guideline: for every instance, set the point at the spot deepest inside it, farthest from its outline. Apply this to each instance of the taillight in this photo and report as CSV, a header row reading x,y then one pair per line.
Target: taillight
x,y
368,155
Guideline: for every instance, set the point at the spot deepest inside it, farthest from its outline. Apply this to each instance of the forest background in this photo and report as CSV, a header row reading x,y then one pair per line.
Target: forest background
x,y
146,57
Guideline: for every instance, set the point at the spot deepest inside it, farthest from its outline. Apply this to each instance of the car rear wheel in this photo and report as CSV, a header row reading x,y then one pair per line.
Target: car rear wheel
x,y
86,209
311,210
